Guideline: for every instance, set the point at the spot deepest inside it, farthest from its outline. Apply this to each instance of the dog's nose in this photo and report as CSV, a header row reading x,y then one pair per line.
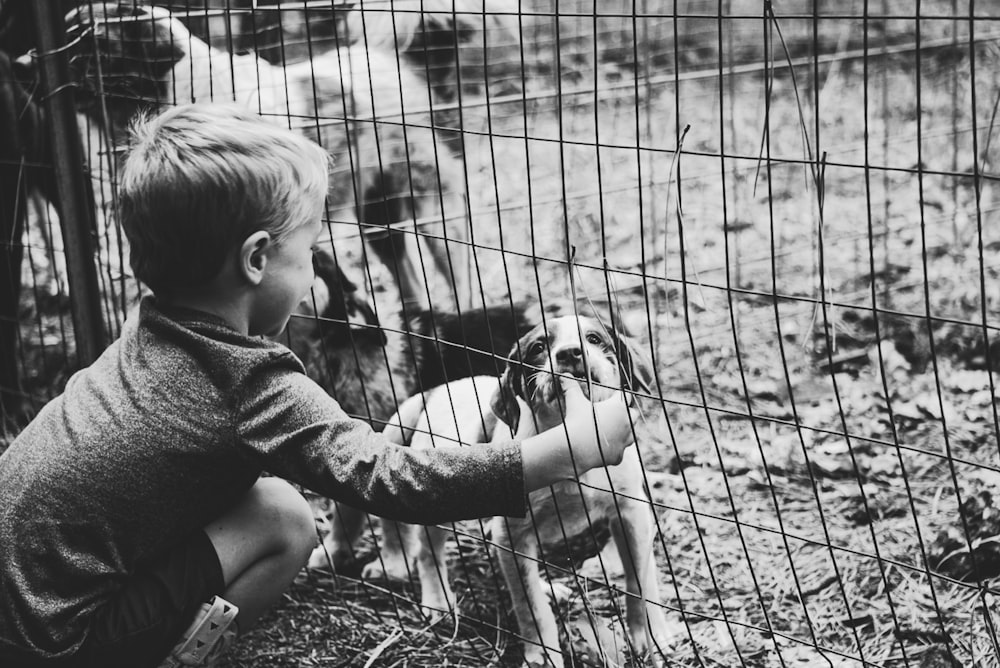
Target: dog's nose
x,y
570,355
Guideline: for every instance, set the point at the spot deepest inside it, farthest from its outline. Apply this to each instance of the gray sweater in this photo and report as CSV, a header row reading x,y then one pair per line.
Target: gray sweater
x,y
173,424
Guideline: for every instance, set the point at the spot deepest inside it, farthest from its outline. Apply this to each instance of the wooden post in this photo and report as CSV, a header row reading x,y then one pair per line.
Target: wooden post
x,y
76,211
13,212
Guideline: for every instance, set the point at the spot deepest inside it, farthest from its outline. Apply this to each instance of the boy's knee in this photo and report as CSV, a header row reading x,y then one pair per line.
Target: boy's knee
x,y
289,515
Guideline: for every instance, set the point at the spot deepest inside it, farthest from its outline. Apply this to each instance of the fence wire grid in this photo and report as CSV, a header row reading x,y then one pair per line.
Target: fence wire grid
x,y
787,206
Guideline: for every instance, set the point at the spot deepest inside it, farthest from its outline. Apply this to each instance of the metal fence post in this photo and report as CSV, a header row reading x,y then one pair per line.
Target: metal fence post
x,y
76,210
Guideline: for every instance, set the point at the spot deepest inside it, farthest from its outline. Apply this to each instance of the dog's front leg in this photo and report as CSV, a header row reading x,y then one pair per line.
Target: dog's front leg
x,y
518,557
399,540
392,562
337,550
633,534
436,595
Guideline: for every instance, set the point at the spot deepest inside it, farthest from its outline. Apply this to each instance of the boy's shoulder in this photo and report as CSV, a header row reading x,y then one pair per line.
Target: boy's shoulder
x,y
196,329
182,348
167,370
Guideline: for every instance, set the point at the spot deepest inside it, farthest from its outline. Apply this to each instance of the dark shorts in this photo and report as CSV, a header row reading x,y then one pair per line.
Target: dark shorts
x,y
146,619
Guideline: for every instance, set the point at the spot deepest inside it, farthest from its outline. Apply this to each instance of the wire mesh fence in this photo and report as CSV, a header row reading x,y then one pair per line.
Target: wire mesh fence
x,y
786,206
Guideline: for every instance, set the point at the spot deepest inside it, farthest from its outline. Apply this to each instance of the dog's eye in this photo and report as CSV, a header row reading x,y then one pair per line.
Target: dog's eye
x,y
536,348
595,339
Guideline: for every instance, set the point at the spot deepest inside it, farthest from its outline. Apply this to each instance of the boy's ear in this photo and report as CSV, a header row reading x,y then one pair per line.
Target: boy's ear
x,y
252,259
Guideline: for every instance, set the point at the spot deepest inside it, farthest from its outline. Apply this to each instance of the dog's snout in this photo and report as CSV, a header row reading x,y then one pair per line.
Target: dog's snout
x,y
569,355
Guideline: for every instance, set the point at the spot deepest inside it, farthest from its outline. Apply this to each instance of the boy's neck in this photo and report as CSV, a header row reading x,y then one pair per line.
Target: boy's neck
x,y
228,306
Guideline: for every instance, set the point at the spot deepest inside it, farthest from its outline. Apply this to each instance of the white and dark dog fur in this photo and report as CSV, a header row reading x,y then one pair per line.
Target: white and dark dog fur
x,y
523,402
375,117
372,361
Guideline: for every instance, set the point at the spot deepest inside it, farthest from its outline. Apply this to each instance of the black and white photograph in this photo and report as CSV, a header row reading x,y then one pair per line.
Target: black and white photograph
x,y
542,333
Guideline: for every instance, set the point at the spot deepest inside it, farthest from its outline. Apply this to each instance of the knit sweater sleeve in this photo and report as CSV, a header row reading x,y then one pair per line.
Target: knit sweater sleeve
x,y
300,433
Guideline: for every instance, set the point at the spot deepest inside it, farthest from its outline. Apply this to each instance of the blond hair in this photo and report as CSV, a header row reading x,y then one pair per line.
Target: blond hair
x,y
198,179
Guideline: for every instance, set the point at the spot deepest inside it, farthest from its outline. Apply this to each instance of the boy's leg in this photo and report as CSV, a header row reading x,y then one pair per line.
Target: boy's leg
x,y
147,617
248,556
262,544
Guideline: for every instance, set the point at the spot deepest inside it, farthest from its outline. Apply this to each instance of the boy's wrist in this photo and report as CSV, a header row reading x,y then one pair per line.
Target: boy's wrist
x,y
584,442
547,458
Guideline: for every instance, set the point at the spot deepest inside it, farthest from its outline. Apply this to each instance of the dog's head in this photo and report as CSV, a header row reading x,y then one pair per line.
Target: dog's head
x,y
335,298
124,50
331,323
602,360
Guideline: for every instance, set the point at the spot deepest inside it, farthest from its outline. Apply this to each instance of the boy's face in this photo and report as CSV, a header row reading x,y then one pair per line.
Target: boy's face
x,y
288,277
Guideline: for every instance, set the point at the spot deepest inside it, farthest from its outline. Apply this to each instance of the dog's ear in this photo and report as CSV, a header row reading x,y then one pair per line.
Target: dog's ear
x,y
504,402
634,364
328,270
344,304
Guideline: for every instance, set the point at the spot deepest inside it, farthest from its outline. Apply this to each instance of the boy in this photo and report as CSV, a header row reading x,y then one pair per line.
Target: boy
x,y
134,523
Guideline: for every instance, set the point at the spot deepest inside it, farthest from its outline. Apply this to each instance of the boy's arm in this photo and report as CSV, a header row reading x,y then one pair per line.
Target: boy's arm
x,y
296,431
592,435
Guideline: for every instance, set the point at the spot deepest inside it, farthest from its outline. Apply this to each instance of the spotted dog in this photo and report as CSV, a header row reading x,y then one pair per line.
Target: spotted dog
x,y
523,402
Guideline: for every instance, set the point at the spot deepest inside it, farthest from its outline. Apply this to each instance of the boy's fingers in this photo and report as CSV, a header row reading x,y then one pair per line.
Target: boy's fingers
x,y
571,389
570,383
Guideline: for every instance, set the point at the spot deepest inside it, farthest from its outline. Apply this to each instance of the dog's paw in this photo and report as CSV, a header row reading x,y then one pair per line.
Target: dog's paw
x,y
435,611
662,643
655,660
338,561
386,568
651,658
541,657
652,650
437,602
319,558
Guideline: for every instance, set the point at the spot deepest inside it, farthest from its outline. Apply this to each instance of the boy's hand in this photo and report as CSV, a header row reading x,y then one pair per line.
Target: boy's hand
x,y
592,435
603,443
